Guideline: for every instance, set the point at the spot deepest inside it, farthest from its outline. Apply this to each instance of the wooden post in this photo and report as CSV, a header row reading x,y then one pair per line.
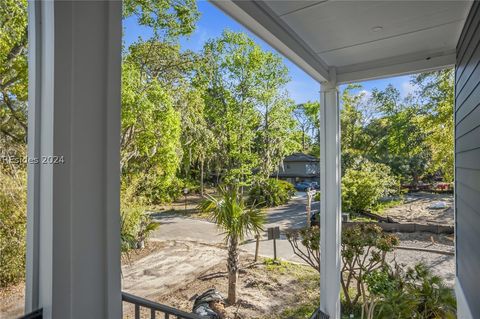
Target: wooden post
x,y
310,195
274,249
257,246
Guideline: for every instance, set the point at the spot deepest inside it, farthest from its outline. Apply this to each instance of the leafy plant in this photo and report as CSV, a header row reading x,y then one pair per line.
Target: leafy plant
x,y
364,185
271,193
231,214
306,245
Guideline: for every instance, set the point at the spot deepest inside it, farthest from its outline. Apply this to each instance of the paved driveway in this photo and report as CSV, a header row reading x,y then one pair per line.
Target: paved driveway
x,y
292,215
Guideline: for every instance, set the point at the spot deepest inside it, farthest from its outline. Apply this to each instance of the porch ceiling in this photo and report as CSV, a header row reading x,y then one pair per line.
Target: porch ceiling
x,y
346,41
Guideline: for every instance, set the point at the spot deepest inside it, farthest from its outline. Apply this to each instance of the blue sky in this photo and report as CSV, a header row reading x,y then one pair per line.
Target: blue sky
x,y
212,22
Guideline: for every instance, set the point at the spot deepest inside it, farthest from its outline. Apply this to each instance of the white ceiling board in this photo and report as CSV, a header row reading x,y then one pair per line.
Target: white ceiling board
x,y
283,7
337,37
339,24
440,39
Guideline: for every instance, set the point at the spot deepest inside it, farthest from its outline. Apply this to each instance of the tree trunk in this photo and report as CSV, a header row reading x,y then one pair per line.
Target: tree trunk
x,y
232,265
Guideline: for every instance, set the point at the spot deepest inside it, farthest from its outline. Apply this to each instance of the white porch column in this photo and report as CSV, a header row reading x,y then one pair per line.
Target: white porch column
x,y
330,207
73,241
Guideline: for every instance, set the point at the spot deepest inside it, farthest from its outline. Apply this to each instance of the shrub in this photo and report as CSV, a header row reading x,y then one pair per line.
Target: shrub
x,y
13,205
136,224
271,193
364,248
158,190
362,187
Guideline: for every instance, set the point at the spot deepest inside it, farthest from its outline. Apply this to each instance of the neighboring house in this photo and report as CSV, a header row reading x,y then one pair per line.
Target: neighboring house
x,y
299,167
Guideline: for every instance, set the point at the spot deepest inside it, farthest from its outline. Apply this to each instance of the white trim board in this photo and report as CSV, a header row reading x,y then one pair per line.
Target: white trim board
x,y
463,310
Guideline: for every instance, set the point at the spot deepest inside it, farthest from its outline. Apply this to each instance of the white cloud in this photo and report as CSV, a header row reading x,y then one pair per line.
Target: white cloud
x,y
407,88
366,95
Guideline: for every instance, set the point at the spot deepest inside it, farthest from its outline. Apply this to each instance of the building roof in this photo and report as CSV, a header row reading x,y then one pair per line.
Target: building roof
x,y
300,157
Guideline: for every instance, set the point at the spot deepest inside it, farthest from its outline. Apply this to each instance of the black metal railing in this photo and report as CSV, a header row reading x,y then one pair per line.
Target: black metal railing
x,y
318,314
37,314
168,312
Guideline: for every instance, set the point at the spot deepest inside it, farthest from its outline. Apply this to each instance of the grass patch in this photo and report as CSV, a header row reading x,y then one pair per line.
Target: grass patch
x,y
192,213
382,206
363,219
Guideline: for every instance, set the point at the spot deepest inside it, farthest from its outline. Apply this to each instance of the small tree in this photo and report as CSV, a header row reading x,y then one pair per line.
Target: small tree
x,y
231,214
364,249
306,245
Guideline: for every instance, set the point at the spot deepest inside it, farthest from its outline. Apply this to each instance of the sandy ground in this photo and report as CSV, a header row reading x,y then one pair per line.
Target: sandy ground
x,y
262,290
416,209
171,265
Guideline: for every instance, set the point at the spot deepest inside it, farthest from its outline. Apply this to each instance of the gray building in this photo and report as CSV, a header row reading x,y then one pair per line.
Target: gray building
x,y
299,167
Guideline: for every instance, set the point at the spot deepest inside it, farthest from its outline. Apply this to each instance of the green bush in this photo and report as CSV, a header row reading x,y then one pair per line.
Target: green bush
x,y
365,185
13,205
159,190
270,193
136,224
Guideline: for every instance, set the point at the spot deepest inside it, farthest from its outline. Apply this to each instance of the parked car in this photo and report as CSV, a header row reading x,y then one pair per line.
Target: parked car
x,y
315,185
303,186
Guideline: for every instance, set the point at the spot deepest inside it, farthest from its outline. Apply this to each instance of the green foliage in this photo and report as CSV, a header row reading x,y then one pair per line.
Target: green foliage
x,y
363,186
169,19
270,193
232,215
412,135
436,90
13,205
246,107
414,293
364,248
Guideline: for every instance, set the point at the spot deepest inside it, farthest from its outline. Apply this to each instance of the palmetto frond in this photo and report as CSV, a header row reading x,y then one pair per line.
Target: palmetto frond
x,y
231,214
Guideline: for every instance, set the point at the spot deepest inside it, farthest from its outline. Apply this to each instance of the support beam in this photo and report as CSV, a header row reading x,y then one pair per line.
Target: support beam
x,y
330,206
73,239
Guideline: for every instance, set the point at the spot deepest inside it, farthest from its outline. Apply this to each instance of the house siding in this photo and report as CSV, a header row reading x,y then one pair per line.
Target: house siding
x,y
467,158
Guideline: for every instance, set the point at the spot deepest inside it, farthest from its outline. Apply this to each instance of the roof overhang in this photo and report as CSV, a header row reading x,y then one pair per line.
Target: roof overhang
x,y
349,41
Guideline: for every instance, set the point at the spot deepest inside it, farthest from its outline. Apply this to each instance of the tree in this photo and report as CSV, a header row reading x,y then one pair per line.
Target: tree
x,y
307,118
168,19
237,220
246,107
436,95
